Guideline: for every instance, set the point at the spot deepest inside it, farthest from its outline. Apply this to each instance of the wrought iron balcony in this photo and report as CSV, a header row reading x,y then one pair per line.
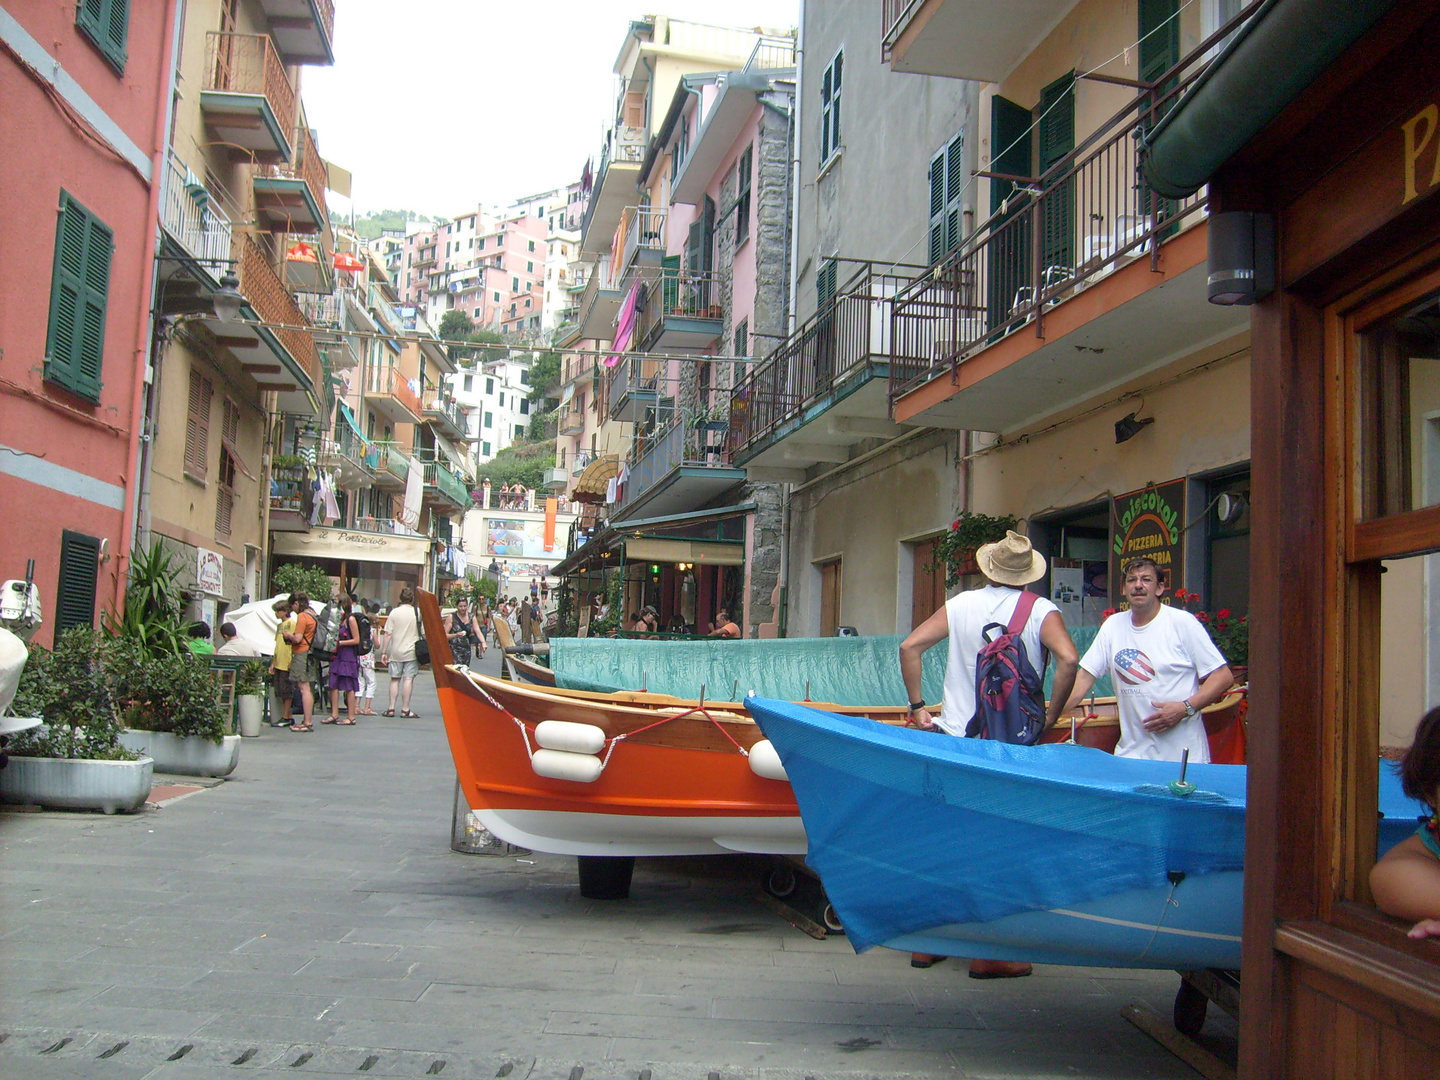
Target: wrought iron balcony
x,y
680,466
443,487
192,217
644,234
304,30
246,97
290,197
389,393
446,415
681,312
391,465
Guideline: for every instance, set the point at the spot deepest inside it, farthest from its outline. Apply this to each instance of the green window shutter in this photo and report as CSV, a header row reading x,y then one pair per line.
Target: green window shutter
x,y
825,284
79,284
937,207
1159,38
106,23
79,571
947,184
1057,142
1009,146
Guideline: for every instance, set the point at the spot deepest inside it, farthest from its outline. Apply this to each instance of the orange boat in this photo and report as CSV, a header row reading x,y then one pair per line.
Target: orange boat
x,y
629,773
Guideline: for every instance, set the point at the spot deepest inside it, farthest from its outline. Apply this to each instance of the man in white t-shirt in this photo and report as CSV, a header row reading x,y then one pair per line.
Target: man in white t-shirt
x,y
1008,565
1164,667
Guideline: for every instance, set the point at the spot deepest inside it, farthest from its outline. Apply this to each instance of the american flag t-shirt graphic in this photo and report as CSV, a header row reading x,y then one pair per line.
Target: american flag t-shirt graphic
x,y
1133,667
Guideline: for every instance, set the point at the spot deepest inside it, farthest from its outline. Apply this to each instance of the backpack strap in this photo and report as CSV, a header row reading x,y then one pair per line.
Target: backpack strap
x,y
1023,607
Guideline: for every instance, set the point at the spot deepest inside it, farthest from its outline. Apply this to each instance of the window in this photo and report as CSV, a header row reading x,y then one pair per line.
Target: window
x,y
825,284
532,245
469,383
830,107
519,431
489,419
524,406
79,285
105,23
225,491
514,284
79,570
742,197
947,182
477,312
197,425
529,267
502,399
485,449
482,243
742,338
527,303
489,386
497,298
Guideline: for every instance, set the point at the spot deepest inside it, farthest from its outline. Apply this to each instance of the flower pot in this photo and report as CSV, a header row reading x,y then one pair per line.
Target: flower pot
x,y
75,784
965,562
251,708
189,755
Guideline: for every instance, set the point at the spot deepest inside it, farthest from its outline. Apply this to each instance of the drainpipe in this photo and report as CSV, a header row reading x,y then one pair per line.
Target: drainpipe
x,y
783,599
144,334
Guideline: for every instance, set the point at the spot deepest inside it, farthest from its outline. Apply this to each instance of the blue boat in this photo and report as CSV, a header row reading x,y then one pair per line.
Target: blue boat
x,y
1053,854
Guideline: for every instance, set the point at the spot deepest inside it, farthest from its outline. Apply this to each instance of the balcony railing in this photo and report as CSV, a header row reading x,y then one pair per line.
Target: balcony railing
x,y
644,231
439,477
1086,216
190,215
390,460
274,304
848,337
385,309
686,438
388,381
895,15
323,310
249,64
445,409
572,419
772,54
305,164
677,294
348,453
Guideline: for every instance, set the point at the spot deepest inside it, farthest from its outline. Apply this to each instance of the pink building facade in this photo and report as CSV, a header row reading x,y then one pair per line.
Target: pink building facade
x,y
86,96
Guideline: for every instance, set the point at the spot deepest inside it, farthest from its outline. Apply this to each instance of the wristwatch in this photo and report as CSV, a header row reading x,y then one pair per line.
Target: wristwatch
x,y
1190,710
916,706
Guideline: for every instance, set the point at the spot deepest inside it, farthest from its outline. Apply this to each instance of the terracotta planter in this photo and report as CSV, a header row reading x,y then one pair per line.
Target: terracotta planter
x,y
75,784
189,755
965,562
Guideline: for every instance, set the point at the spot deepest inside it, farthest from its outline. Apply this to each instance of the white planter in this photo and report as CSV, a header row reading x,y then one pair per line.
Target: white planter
x,y
252,711
76,784
189,755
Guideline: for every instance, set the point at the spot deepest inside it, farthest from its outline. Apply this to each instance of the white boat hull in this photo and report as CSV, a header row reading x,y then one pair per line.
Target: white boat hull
x,y
565,832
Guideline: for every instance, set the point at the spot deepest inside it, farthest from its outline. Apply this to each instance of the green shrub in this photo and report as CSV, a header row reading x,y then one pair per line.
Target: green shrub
x,y
70,689
302,577
178,694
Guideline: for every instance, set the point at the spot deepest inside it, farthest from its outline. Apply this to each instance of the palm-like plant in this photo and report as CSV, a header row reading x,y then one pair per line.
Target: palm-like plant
x,y
152,613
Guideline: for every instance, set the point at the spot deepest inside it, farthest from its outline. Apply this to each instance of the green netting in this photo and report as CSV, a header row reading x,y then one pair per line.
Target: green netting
x,y
1082,636
846,671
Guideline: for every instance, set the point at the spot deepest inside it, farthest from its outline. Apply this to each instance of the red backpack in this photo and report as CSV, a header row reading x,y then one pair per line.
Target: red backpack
x,y
1009,695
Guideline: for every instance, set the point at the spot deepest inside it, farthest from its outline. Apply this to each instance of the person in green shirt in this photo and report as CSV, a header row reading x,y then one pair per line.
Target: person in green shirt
x,y
200,642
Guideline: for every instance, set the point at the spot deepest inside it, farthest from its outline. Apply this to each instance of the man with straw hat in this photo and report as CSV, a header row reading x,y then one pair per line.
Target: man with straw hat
x,y
1008,565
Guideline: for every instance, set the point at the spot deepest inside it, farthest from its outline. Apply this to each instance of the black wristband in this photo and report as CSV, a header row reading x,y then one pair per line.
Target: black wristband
x,y
916,706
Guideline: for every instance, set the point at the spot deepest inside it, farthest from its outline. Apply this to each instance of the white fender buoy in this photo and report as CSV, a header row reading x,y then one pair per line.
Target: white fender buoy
x,y
765,761
563,765
569,736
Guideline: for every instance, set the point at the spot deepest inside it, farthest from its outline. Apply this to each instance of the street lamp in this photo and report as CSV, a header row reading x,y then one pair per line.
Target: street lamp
x,y
228,299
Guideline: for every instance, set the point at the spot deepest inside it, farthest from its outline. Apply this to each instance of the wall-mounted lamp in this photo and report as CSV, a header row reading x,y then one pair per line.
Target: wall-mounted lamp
x,y
1127,427
228,299
1242,257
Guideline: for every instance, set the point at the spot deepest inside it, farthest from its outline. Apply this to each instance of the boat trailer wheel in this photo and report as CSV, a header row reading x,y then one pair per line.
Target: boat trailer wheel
x,y
1190,1007
780,880
831,919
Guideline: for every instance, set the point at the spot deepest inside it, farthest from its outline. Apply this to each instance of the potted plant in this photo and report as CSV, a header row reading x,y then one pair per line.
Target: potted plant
x,y
173,713
288,467
956,549
715,418
74,760
1229,632
250,697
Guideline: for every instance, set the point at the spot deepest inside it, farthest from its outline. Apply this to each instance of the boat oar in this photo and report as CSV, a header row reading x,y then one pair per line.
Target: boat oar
x,y
1182,786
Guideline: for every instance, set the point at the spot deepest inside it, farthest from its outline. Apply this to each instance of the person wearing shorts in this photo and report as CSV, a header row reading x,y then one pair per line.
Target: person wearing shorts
x,y
280,662
366,693
402,634
303,668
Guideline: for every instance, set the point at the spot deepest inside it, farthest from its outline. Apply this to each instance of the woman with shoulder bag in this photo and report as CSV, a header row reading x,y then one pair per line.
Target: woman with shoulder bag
x,y
461,633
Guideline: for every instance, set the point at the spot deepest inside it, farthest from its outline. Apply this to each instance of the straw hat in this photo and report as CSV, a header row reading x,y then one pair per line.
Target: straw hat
x,y
1011,561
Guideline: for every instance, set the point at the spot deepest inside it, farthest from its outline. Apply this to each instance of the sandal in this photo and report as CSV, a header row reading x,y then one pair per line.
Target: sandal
x,y
346,723
388,712
408,715
332,720
300,727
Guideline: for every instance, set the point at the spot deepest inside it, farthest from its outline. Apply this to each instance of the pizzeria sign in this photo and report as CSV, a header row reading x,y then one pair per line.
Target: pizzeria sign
x,y
1150,522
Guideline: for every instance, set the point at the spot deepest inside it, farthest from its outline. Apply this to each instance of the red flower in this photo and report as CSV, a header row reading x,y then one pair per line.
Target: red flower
x,y
1194,597
1108,612
1203,616
955,525
1223,613
1181,594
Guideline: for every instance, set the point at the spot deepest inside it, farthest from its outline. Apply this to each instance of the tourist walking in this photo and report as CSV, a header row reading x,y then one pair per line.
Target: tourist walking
x,y
527,624
402,634
345,664
280,662
1008,565
303,669
462,634
366,691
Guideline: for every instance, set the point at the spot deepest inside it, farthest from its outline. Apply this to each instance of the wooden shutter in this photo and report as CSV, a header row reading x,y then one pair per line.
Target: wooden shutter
x,y
79,286
1009,146
825,284
197,425
1057,141
1159,38
106,24
947,183
79,571
937,207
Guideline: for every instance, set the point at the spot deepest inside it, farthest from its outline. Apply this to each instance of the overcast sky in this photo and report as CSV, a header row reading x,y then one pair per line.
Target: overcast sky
x,y
435,105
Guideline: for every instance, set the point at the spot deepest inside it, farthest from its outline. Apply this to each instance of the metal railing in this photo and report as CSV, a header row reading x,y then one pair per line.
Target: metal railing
x,y
644,230
690,294
686,437
274,304
439,477
346,448
382,307
848,336
771,54
389,380
389,525
189,214
1054,236
389,459
323,310
305,164
445,407
895,16
249,64
572,419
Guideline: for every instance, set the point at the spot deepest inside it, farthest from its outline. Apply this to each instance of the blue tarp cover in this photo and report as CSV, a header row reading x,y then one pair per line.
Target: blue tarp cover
x,y
910,830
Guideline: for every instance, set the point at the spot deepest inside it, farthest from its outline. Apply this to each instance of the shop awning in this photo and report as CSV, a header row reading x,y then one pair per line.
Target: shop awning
x,y
354,546
590,487
1269,61
711,552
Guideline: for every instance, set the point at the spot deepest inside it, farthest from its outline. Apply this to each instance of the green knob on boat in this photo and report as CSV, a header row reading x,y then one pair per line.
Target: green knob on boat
x,y
1181,787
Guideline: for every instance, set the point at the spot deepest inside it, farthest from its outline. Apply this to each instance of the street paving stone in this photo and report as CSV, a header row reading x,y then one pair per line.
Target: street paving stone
x,y
307,918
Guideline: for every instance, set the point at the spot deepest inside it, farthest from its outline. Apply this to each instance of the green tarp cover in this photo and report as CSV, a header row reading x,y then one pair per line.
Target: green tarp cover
x,y
845,671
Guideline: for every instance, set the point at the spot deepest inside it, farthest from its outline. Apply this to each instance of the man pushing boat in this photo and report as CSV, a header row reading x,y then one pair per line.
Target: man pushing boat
x,y
1165,669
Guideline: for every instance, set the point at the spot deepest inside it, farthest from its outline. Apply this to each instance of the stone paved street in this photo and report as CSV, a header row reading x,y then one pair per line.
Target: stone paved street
x,y
308,918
